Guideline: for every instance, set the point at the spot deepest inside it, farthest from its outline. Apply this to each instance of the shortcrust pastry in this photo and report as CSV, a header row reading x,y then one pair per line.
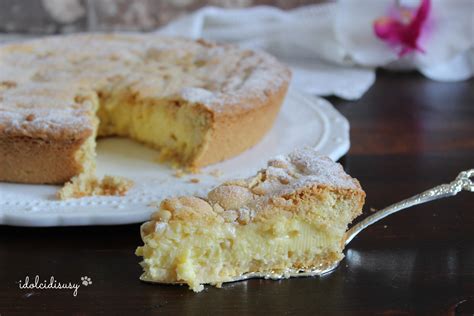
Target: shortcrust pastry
x,y
289,218
196,101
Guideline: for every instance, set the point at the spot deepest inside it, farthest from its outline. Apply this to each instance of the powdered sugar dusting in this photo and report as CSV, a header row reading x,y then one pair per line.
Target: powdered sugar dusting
x,y
143,65
198,95
315,168
302,168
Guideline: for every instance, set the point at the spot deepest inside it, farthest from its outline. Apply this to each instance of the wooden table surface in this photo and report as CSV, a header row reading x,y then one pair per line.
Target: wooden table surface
x,y
408,134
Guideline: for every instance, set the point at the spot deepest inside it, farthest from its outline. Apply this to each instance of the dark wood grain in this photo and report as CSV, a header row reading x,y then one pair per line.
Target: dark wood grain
x,y
408,134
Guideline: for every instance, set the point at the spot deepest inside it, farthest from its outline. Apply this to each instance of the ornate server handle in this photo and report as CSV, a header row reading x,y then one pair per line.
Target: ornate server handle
x,y
462,182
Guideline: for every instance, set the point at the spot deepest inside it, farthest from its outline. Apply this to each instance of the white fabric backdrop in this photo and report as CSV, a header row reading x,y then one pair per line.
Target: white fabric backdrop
x,y
331,47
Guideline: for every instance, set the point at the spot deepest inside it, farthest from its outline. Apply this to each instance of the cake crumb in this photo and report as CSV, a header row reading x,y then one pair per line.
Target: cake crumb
x,y
193,170
86,185
165,156
178,173
154,204
194,180
216,173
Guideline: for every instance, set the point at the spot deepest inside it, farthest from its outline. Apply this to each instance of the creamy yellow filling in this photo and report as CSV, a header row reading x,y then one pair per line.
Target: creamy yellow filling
x,y
195,254
177,128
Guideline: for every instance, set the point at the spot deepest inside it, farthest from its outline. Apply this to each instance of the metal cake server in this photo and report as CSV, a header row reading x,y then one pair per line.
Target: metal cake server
x,y
462,182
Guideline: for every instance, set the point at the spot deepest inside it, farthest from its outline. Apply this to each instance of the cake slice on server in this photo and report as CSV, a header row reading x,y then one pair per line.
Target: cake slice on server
x,y
289,218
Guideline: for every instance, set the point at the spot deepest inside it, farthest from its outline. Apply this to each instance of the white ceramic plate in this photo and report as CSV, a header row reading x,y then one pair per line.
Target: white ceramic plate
x,y
303,121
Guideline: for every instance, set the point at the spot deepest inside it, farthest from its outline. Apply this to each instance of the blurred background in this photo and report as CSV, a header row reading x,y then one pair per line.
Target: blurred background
x,y
66,16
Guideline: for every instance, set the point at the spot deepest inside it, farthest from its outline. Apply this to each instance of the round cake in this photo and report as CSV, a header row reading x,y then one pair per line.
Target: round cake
x,y
197,102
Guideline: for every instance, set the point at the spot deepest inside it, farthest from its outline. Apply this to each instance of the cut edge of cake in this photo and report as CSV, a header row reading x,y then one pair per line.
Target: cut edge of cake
x,y
292,216
38,145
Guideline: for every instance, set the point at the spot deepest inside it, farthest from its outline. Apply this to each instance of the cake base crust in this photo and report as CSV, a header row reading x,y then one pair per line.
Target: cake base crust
x,y
52,89
30,160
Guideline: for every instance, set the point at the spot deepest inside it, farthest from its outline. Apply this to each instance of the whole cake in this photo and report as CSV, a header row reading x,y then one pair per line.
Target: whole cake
x,y
196,101
290,218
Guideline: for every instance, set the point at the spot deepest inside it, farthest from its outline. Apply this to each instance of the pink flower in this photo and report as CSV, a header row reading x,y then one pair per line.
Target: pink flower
x,y
403,27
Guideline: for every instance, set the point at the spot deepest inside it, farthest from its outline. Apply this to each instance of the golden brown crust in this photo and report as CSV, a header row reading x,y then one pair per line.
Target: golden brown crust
x,y
279,188
233,133
210,211
84,185
28,160
41,134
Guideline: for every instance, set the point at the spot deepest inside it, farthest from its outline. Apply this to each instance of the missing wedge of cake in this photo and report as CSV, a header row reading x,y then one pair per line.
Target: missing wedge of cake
x,y
197,102
289,218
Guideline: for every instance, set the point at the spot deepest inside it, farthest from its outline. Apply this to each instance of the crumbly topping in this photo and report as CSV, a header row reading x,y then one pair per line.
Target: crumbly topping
x,y
85,185
44,77
230,196
239,201
216,173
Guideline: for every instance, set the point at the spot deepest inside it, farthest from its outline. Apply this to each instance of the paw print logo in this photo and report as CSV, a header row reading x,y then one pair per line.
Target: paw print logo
x,y
86,280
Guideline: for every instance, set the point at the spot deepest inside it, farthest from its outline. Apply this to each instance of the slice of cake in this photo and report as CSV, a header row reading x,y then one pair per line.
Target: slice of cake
x,y
291,217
